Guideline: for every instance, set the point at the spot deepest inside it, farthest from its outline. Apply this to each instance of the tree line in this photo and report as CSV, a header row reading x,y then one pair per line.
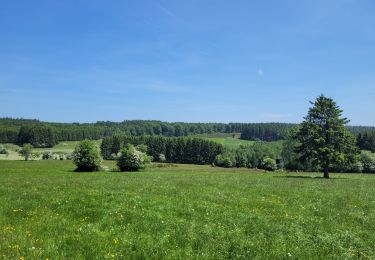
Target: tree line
x,y
366,141
265,131
37,136
165,149
10,129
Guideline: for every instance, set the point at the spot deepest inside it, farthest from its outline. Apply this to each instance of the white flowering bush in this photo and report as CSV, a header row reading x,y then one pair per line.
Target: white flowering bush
x,y
268,164
3,150
87,157
47,155
131,159
162,158
368,161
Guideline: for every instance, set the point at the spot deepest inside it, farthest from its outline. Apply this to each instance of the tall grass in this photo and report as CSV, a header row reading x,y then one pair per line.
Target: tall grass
x,y
49,211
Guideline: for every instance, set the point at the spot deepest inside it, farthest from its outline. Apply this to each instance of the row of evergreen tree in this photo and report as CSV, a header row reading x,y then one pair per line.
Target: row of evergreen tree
x,y
266,131
165,149
9,129
366,141
37,136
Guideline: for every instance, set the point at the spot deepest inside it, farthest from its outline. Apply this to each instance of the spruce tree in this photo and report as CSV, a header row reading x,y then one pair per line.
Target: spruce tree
x,y
323,138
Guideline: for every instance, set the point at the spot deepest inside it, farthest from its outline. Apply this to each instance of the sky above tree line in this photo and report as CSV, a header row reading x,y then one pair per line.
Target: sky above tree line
x,y
193,60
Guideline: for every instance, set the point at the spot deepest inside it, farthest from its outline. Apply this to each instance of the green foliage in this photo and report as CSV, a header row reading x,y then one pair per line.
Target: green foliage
x,y
47,155
323,139
250,156
142,148
240,160
10,128
255,153
265,131
106,149
268,164
368,161
289,155
366,141
175,150
37,136
357,167
26,151
86,156
223,161
131,159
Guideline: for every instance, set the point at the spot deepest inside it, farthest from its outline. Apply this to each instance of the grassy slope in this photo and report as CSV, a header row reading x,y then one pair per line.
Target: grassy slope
x,y
226,139
63,146
12,150
182,212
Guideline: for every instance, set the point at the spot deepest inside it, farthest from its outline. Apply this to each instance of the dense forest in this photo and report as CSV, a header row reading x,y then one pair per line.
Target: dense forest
x,y
10,129
165,149
366,141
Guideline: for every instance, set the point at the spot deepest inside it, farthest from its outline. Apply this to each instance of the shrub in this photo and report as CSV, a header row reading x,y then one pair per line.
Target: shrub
x,y
356,167
47,155
223,161
62,156
3,150
113,156
131,159
219,160
368,161
240,160
69,156
142,148
86,157
26,151
162,158
268,164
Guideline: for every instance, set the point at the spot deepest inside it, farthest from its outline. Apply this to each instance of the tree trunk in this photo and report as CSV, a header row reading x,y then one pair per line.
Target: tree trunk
x,y
326,173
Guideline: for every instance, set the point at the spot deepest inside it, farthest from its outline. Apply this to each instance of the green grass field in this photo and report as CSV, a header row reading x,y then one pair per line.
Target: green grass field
x,y
49,211
226,139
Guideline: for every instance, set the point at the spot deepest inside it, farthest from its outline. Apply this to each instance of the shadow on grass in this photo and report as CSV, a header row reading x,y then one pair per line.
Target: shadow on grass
x,y
309,177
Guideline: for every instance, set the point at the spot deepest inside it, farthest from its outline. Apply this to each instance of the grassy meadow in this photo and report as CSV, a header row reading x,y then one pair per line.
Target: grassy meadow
x,y
182,211
228,140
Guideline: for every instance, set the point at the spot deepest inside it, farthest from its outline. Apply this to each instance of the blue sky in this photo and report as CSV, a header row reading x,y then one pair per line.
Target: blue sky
x,y
192,60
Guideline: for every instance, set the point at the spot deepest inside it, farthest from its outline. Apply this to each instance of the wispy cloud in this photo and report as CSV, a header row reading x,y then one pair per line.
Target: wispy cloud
x,y
260,72
171,14
166,10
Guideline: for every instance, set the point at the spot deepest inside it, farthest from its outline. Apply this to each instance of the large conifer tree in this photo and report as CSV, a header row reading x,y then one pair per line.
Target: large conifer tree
x,y
323,138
